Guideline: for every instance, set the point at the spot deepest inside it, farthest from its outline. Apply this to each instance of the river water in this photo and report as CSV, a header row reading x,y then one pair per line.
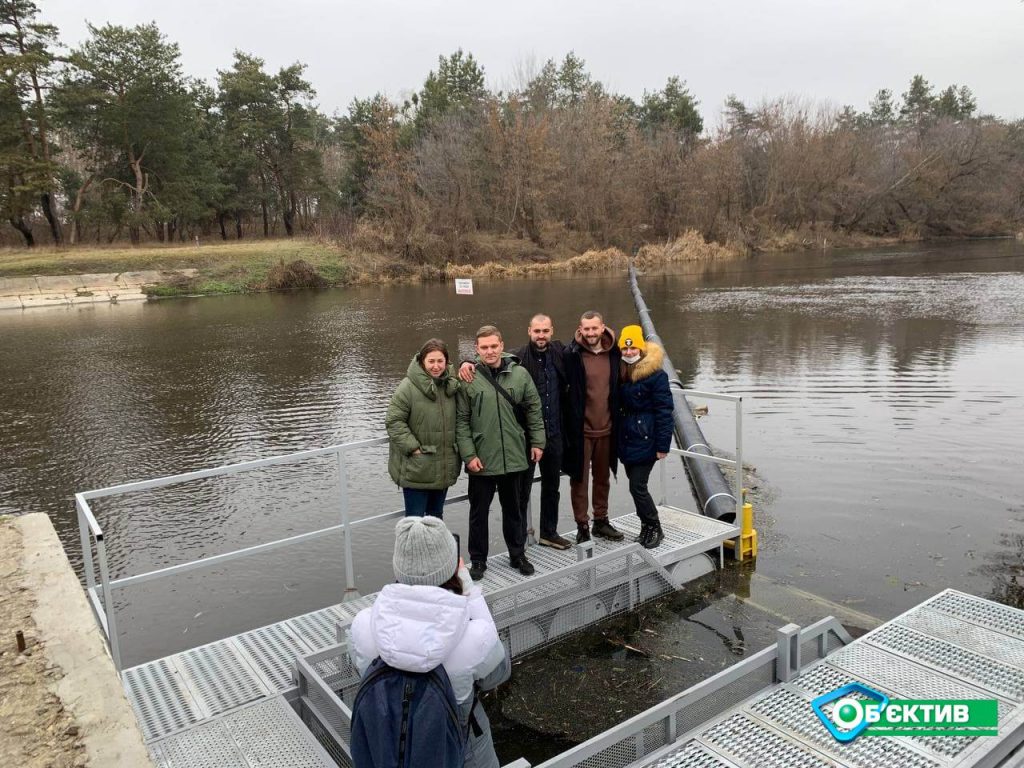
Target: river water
x,y
883,419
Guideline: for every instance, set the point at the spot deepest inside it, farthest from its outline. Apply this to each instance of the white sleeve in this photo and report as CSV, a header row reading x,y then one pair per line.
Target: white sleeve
x,y
361,646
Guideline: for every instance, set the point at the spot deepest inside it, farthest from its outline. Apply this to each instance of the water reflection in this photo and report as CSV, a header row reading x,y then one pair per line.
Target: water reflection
x,y
882,398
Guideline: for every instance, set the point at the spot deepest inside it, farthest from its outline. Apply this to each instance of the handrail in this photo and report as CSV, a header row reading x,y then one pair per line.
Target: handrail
x,y
228,469
91,533
101,589
667,710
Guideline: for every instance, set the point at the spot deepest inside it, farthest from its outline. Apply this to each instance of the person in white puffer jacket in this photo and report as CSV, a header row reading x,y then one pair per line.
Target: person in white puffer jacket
x,y
435,615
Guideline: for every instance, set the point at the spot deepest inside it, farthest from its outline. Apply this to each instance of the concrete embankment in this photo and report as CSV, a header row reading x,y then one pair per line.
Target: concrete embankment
x,y
61,701
71,290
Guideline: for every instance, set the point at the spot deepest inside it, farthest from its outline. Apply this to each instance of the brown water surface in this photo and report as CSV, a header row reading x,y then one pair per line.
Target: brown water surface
x,y
883,396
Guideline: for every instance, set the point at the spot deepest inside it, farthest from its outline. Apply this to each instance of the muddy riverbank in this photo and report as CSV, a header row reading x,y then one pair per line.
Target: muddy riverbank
x,y
212,268
61,703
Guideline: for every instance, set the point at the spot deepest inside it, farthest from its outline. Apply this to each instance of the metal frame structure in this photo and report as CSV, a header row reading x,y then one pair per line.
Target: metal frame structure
x,y
101,588
736,463
328,680
662,724
758,711
327,685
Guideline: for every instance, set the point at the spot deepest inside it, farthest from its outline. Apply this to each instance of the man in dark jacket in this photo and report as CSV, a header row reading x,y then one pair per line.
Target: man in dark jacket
x,y
543,357
591,415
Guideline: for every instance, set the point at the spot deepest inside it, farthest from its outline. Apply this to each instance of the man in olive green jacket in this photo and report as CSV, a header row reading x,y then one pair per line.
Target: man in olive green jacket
x,y
496,448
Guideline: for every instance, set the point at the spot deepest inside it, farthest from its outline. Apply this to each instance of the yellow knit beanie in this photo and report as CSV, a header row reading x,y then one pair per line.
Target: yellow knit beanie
x,y
632,336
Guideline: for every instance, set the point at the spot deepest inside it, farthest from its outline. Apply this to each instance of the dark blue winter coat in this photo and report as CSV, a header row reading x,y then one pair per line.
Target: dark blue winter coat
x,y
645,406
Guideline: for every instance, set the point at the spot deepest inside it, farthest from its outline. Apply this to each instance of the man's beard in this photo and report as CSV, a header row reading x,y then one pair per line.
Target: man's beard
x,y
541,344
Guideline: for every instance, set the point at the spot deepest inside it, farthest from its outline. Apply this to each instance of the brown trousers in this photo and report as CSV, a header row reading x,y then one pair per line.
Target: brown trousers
x,y
596,462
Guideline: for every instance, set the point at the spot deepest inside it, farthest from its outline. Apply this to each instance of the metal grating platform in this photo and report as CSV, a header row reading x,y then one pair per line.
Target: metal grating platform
x,y
953,646
268,733
198,697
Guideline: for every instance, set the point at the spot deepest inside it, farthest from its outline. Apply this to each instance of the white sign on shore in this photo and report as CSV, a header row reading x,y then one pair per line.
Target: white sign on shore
x,y
464,286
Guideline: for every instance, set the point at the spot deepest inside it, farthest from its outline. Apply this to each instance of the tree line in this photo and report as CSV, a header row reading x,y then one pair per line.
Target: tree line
x,y
110,140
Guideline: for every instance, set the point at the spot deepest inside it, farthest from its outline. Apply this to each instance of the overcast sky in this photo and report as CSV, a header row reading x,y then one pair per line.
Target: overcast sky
x,y
841,52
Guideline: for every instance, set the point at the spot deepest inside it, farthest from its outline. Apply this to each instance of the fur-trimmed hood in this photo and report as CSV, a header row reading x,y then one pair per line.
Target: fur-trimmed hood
x,y
647,366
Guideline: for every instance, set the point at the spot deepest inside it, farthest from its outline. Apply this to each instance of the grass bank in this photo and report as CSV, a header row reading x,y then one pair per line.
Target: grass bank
x,y
268,265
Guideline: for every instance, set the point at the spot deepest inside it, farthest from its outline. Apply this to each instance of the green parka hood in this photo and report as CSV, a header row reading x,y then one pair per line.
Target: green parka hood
x,y
421,417
427,384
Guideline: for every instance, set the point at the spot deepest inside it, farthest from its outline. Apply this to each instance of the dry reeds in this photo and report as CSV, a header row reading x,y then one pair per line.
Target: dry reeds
x,y
690,246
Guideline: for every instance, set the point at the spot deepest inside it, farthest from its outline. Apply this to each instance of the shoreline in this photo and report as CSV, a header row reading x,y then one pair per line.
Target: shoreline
x,y
89,276
61,700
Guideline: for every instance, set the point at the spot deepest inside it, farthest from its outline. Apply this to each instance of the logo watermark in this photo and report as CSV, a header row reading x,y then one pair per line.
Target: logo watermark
x,y
856,709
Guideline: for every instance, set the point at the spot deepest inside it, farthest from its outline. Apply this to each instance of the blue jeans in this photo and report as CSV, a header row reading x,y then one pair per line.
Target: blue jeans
x,y
419,502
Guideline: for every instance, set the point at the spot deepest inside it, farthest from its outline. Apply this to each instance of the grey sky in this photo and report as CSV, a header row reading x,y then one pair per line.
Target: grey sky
x,y
839,52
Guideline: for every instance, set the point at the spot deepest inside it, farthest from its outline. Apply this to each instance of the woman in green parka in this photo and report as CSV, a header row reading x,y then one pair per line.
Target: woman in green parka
x,y
420,421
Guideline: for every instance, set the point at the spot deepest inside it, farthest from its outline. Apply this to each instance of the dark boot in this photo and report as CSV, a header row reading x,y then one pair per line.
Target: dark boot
x,y
521,564
606,530
582,533
654,537
477,570
643,533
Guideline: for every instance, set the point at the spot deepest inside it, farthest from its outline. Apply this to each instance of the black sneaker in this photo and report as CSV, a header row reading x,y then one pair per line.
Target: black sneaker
x,y
654,537
605,530
554,541
582,533
476,571
523,565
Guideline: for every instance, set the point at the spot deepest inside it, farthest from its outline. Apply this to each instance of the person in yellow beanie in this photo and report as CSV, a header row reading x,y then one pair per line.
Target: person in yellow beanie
x,y
645,425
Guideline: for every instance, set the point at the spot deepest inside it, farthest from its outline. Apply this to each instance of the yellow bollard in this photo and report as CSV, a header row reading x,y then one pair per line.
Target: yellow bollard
x,y
746,546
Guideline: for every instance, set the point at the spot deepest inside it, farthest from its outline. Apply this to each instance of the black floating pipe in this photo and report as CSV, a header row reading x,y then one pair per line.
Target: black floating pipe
x,y
713,494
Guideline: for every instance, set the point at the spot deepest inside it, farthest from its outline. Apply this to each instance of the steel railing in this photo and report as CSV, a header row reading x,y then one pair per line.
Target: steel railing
x,y
737,402
658,728
101,588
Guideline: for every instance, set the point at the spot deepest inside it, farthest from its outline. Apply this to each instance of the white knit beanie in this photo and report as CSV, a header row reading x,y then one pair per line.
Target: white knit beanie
x,y
425,551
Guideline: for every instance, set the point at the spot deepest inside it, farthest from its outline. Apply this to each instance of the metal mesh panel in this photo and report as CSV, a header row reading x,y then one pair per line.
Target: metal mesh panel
x,y
618,755
899,678
160,698
326,740
679,520
339,674
971,608
728,696
319,629
655,736
270,733
691,755
790,711
823,678
987,641
273,651
748,741
866,662
962,663
219,677
207,746
809,652
350,608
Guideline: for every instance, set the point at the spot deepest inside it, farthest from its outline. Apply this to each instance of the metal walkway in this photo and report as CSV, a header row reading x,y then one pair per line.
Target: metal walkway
x,y
234,702
757,714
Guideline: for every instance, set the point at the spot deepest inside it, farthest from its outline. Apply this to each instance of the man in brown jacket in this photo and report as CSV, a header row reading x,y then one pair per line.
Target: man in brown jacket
x,y
591,413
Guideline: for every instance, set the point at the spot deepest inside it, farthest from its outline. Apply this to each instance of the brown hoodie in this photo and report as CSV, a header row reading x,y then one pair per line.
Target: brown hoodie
x,y
597,416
